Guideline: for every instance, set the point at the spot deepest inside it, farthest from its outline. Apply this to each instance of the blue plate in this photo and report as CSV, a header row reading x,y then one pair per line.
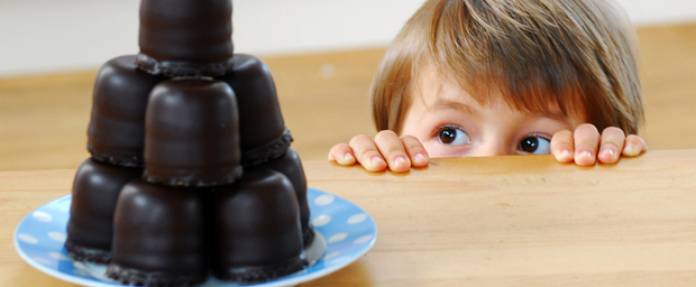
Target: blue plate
x,y
345,232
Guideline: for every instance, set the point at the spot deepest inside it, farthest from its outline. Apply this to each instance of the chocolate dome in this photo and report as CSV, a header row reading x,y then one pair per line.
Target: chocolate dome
x,y
117,125
257,228
186,37
192,134
95,191
290,165
159,236
262,128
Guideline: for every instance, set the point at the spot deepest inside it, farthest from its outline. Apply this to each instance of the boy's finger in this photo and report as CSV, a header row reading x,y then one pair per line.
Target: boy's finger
x,y
634,146
612,144
342,154
586,138
367,154
562,146
416,151
389,144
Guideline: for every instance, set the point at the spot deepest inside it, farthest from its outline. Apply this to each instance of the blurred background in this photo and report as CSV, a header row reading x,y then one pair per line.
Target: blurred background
x,y
322,53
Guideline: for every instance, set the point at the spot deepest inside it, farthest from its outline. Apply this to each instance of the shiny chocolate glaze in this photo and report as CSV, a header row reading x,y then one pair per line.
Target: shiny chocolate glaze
x,y
256,227
186,37
159,236
262,128
95,191
290,165
117,126
192,134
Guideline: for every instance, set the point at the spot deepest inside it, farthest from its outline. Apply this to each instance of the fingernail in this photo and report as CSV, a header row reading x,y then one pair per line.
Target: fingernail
x,y
631,150
400,161
566,155
584,158
348,159
419,158
376,161
608,152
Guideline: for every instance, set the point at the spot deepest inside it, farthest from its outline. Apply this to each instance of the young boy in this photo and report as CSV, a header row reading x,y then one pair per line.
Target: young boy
x,y
499,77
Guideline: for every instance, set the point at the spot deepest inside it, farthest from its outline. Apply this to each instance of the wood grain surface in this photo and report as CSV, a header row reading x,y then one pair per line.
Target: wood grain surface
x,y
43,118
506,221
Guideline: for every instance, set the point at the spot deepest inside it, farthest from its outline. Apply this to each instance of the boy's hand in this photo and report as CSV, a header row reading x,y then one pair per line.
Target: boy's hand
x,y
386,150
586,146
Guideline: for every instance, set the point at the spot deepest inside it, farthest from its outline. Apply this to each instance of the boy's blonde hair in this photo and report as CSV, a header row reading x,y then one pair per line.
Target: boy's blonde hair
x,y
577,55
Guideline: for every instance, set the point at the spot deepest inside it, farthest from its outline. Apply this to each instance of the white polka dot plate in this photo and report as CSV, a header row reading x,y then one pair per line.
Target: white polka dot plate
x,y
345,232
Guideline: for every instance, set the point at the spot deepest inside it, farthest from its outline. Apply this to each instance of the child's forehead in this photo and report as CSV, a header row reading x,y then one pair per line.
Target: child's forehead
x,y
436,91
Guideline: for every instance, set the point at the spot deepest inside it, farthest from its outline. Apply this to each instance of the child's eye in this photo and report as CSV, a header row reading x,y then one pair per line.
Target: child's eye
x,y
453,136
535,145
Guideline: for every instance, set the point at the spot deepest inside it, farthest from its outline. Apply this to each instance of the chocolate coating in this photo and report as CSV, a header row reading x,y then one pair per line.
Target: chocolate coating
x,y
159,236
257,228
290,165
186,37
95,191
262,129
117,124
192,134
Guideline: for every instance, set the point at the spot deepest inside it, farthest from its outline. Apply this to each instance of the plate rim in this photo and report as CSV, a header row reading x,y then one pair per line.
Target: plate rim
x,y
49,271
281,282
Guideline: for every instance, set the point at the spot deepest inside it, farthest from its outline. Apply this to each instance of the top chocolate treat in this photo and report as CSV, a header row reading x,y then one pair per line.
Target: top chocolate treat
x,y
186,37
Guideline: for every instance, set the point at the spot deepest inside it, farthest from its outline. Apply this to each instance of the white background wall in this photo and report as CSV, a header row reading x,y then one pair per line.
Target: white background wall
x,y
48,35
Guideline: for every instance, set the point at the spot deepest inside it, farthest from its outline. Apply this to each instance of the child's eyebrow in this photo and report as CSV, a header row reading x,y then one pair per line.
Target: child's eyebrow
x,y
453,105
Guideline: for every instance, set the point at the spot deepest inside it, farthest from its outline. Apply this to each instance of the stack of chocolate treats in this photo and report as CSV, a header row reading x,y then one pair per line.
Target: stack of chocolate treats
x,y
191,171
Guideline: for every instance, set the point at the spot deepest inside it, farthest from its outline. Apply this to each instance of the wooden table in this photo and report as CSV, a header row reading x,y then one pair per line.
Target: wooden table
x,y
509,221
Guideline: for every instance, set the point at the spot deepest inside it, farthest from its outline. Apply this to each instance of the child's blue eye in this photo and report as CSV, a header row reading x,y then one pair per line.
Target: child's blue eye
x,y
535,145
453,136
